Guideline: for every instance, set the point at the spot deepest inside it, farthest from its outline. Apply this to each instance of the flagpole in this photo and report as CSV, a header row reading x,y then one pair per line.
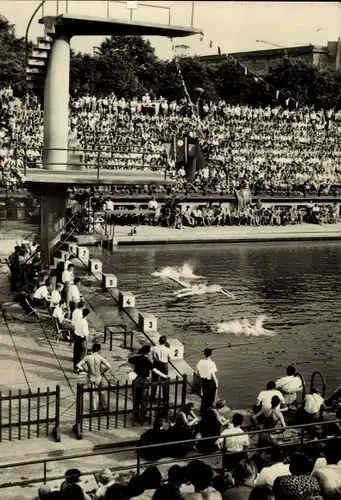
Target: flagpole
x,y
192,15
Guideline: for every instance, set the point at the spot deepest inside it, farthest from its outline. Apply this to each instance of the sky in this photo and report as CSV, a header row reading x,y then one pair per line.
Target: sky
x,y
233,26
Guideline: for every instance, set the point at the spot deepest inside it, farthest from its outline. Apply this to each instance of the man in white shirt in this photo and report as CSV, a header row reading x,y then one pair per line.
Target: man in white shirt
x,y
289,385
277,469
264,397
77,313
56,295
41,295
312,407
207,370
160,356
59,315
235,441
68,275
74,295
92,365
109,205
81,334
153,205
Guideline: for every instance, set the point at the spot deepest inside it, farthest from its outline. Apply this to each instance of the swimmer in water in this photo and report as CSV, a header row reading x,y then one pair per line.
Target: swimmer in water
x,y
200,289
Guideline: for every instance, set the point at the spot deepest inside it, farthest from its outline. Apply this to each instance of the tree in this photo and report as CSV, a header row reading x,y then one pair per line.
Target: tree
x,y
80,65
12,58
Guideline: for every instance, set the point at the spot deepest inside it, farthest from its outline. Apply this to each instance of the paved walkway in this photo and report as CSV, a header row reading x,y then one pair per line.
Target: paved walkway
x,y
30,358
226,234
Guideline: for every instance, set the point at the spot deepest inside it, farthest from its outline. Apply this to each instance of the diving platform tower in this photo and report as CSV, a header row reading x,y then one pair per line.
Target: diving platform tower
x,y
49,66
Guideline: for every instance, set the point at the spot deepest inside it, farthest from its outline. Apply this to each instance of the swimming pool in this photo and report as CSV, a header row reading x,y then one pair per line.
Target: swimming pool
x,y
296,285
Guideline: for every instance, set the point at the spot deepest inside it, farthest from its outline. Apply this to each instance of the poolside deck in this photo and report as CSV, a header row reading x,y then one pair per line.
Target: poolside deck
x,y
226,234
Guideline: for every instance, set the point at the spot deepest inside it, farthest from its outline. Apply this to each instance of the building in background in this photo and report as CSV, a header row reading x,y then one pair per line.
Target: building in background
x,y
260,61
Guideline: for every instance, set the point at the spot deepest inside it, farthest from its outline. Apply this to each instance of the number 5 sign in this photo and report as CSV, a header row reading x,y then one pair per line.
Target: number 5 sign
x,y
109,281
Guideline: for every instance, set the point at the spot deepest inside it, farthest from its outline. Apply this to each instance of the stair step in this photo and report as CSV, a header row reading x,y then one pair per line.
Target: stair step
x,y
36,62
33,77
39,53
35,85
44,41
35,71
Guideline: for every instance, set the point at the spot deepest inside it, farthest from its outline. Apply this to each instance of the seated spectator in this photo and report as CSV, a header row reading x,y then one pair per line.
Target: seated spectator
x,y
184,428
329,477
150,481
117,492
106,479
289,385
210,426
271,418
176,477
167,492
44,492
235,441
74,492
156,435
200,475
263,492
277,468
41,295
219,484
300,485
312,407
264,397
135,487
56,295
59,314
244,477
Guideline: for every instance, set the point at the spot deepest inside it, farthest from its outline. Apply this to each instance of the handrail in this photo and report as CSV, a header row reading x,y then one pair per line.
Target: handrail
x,y
40,6
138,449
315,374
304,390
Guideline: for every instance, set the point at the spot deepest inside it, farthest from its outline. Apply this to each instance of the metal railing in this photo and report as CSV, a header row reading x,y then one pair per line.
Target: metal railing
x,y
137,459
117,158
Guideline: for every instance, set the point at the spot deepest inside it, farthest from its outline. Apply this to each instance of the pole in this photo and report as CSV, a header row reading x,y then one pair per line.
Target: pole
x,y
227,346
338,54
192,15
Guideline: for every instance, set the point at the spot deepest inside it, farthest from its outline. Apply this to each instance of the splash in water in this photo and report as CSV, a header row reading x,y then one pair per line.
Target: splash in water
x,y
185,272
244,328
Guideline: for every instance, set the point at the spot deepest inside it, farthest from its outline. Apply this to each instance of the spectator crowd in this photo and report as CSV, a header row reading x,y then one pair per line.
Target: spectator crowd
x,y
314,474
269,150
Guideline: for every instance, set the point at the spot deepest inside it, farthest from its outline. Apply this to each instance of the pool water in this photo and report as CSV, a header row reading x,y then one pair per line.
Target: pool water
x,y
296,285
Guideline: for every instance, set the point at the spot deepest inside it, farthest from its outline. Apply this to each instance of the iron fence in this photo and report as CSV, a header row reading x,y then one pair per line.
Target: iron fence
x,y
118,401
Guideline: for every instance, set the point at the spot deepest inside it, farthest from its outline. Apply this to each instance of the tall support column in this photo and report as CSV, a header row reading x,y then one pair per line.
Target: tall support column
x,y
56,105
52,218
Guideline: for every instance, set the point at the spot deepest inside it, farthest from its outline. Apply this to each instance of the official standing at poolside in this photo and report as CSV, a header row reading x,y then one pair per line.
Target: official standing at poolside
x,y
160,356
81,334
142,367
207,370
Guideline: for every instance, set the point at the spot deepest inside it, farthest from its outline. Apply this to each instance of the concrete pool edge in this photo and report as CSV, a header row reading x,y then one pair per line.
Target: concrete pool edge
x,y
150,235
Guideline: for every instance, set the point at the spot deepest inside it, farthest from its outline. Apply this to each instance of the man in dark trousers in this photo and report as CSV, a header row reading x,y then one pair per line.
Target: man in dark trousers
x,y
142,367
81,334
207,370
161,357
